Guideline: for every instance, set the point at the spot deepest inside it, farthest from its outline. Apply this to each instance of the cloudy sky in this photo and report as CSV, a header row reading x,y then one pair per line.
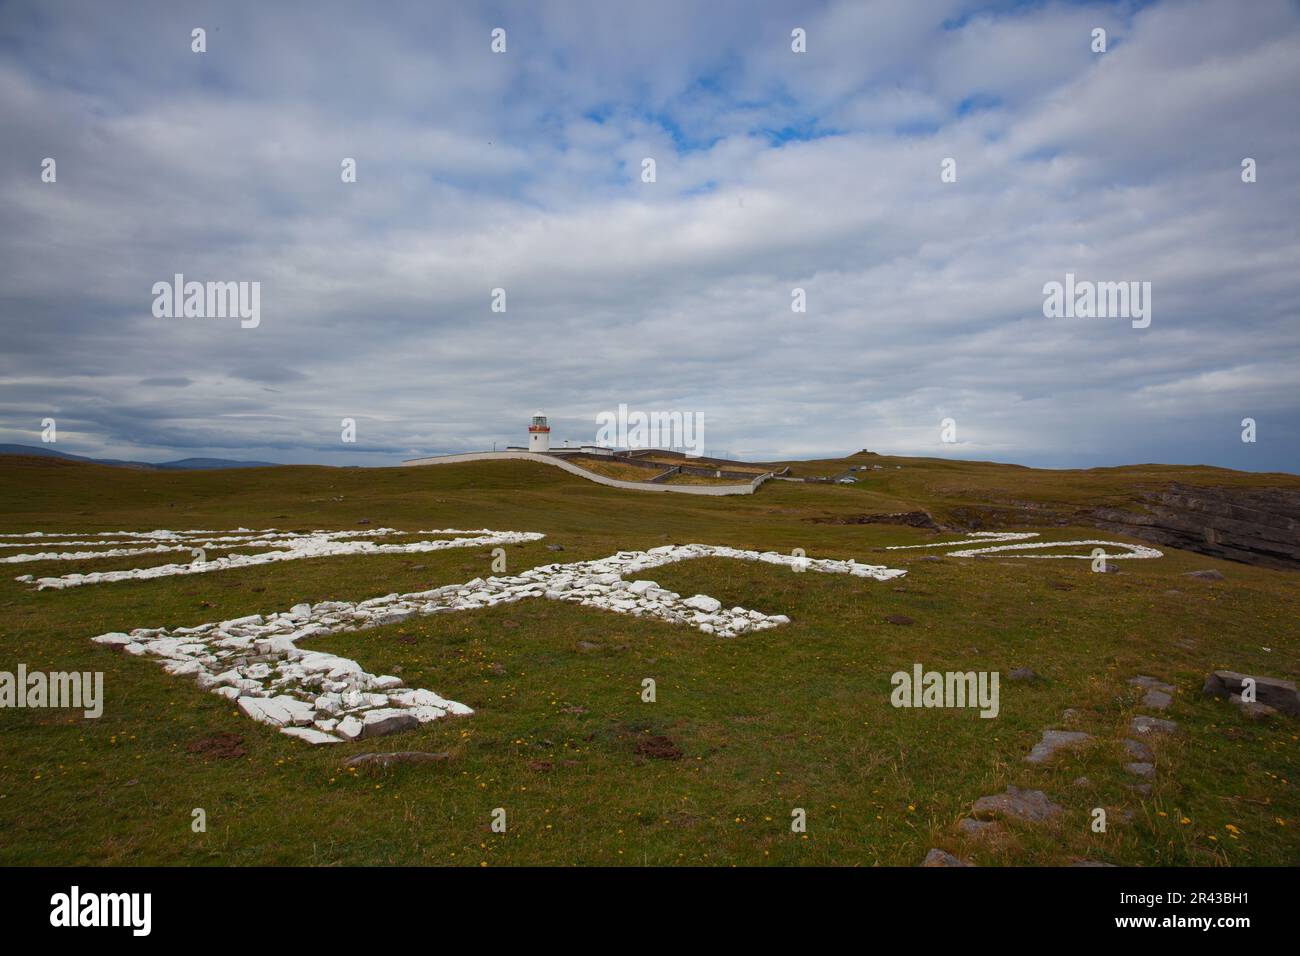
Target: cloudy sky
x,y
775,170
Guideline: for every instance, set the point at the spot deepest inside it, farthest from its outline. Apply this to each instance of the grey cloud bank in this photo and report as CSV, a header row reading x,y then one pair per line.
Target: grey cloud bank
x,y
521,171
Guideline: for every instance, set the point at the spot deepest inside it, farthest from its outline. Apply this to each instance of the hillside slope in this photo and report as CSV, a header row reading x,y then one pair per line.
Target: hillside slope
x,y
743,729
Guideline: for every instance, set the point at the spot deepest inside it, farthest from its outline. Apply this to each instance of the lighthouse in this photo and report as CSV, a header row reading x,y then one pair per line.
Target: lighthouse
x,y
539,434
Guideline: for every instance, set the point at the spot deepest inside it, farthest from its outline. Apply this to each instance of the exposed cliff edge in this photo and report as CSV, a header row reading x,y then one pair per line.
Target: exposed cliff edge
x,y
1259,526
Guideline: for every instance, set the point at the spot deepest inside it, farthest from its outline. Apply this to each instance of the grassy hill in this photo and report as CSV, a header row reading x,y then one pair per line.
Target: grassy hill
x,y
798,716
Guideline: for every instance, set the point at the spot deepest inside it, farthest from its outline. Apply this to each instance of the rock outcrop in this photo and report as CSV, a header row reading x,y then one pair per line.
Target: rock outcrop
x,y
1259,526
1270,691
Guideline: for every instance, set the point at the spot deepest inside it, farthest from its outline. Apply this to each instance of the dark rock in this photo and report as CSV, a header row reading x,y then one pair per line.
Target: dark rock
x,y
1259,526
937,857
1157,700
1276,693
1029,805
1207,575
555,547
1138,750
1023,673
899,619
1253,709
1152,725
1141,769
976,828
1054,740
387,723
1090,863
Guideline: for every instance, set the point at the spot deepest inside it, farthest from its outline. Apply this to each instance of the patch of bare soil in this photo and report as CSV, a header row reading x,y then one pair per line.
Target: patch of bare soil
x,y
221,746
658,747
913,519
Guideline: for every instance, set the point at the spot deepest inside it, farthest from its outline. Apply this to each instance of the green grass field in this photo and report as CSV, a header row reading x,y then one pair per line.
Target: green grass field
x,y
794,717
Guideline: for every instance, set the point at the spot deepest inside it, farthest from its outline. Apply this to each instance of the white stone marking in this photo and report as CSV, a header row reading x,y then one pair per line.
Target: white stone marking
x,y
255,661
1134,551
285,546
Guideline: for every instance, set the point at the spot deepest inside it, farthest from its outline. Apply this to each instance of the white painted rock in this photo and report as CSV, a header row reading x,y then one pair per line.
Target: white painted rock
x,y
311,736
255,661
265,710
702,602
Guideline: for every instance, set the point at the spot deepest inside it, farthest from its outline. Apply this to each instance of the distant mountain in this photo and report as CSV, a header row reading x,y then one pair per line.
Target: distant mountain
x,y
194,464
184,464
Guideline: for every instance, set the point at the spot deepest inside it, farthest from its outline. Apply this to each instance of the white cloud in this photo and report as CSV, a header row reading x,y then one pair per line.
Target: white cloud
x,y
775,170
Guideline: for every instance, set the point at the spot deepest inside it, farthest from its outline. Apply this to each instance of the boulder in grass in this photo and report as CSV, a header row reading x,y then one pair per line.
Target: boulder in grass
x,y
1138,749
1152,725
1157,700
976,828
1272,691
937,857
387,720
1253,709
1054,740
1028,805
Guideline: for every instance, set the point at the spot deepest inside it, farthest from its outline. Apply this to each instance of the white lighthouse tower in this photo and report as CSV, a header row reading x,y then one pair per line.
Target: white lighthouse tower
x,y
539,434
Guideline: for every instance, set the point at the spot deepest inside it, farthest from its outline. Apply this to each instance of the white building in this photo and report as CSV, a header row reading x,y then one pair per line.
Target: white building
x,y
539,434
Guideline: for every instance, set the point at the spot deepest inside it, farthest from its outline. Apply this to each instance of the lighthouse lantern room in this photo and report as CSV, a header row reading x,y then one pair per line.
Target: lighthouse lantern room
x,y
539,434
